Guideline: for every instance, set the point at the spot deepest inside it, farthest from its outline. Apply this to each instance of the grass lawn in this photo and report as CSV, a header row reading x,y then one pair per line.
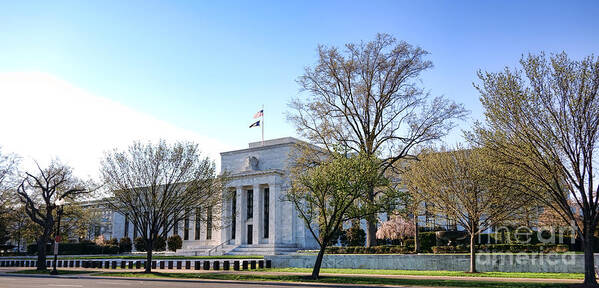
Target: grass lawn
x,y
435,273
335,280
60,272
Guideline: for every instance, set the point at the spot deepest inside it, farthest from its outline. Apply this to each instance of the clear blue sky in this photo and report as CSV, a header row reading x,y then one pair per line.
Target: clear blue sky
x,y
207,66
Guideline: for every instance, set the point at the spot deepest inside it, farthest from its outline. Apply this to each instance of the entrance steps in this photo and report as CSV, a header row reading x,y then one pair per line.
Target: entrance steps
x,y
197,250
263,249
241,250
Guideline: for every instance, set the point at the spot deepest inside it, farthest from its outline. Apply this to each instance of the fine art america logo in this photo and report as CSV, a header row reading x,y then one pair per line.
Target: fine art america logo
x,y
543,246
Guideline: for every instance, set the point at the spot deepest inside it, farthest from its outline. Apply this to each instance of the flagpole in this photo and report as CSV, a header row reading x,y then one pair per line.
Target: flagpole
x,y
262,124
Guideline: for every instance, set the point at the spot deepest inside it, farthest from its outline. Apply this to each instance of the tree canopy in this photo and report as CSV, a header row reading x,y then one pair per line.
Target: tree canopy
x,y
366,98
542,120
327,195
158,184
459,183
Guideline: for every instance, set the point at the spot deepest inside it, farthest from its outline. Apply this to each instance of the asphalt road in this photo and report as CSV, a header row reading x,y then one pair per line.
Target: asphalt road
x,y
22,281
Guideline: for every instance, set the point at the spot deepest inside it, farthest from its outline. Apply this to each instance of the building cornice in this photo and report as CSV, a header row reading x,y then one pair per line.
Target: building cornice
x,y
252,173
256,148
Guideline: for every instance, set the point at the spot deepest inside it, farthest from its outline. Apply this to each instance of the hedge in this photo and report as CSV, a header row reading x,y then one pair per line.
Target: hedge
x,y
428,240
388,249
81,248
504,248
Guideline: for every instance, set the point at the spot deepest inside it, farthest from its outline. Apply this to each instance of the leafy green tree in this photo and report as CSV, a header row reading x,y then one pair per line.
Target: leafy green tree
x,y
366,98
328,194
542,122
459,183
8,171
22,229
75,222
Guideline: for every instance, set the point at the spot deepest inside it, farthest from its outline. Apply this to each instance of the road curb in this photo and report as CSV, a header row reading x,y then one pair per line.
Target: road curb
x,y
214,281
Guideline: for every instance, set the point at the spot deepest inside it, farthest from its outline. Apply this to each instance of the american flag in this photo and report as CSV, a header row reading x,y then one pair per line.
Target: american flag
x,y
259,114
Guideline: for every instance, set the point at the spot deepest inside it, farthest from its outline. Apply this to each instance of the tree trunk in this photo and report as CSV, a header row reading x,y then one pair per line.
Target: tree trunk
x,y
472,253
416,234
149,247
589,258
318,263
371,231
371,221
41,253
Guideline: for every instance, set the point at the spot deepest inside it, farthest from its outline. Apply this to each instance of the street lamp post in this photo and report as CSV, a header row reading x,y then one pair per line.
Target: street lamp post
x,y
59,203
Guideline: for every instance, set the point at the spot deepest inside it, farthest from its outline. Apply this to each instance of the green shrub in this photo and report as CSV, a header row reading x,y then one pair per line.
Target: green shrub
x,y
504,248
139,244
353,236
82,248
125,245
450,249
112,241
159,244
428,240
383,249
174,242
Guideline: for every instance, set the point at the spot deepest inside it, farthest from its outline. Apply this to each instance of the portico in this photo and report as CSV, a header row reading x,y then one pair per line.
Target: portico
x,y
251,210
255,213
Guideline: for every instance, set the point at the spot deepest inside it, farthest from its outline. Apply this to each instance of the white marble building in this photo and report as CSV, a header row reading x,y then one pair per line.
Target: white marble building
x,y
258,216
256,220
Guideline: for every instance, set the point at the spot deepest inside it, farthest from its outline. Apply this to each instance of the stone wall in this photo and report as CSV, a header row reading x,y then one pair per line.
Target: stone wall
x,y
554,263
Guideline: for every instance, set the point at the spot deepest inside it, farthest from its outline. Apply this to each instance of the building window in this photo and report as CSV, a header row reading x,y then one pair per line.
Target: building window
x,y
134,231
186,226
250,204
176,227
450,223
209,224
266,206
233,214
198,223
126,233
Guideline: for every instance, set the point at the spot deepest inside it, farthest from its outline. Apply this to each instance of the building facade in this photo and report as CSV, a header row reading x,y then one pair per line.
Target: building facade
x,y
258,215
255,218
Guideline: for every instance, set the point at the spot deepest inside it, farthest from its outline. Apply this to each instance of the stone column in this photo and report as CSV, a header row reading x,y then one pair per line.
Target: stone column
x,y
240,216
258,214
272,212
225,233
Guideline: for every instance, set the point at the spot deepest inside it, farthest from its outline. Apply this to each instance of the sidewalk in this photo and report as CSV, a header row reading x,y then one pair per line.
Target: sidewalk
x,y
6,270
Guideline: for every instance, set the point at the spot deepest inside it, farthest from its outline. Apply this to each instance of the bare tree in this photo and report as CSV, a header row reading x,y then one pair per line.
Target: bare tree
x,y
366,98
543,122
459,183
157,185
39,194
